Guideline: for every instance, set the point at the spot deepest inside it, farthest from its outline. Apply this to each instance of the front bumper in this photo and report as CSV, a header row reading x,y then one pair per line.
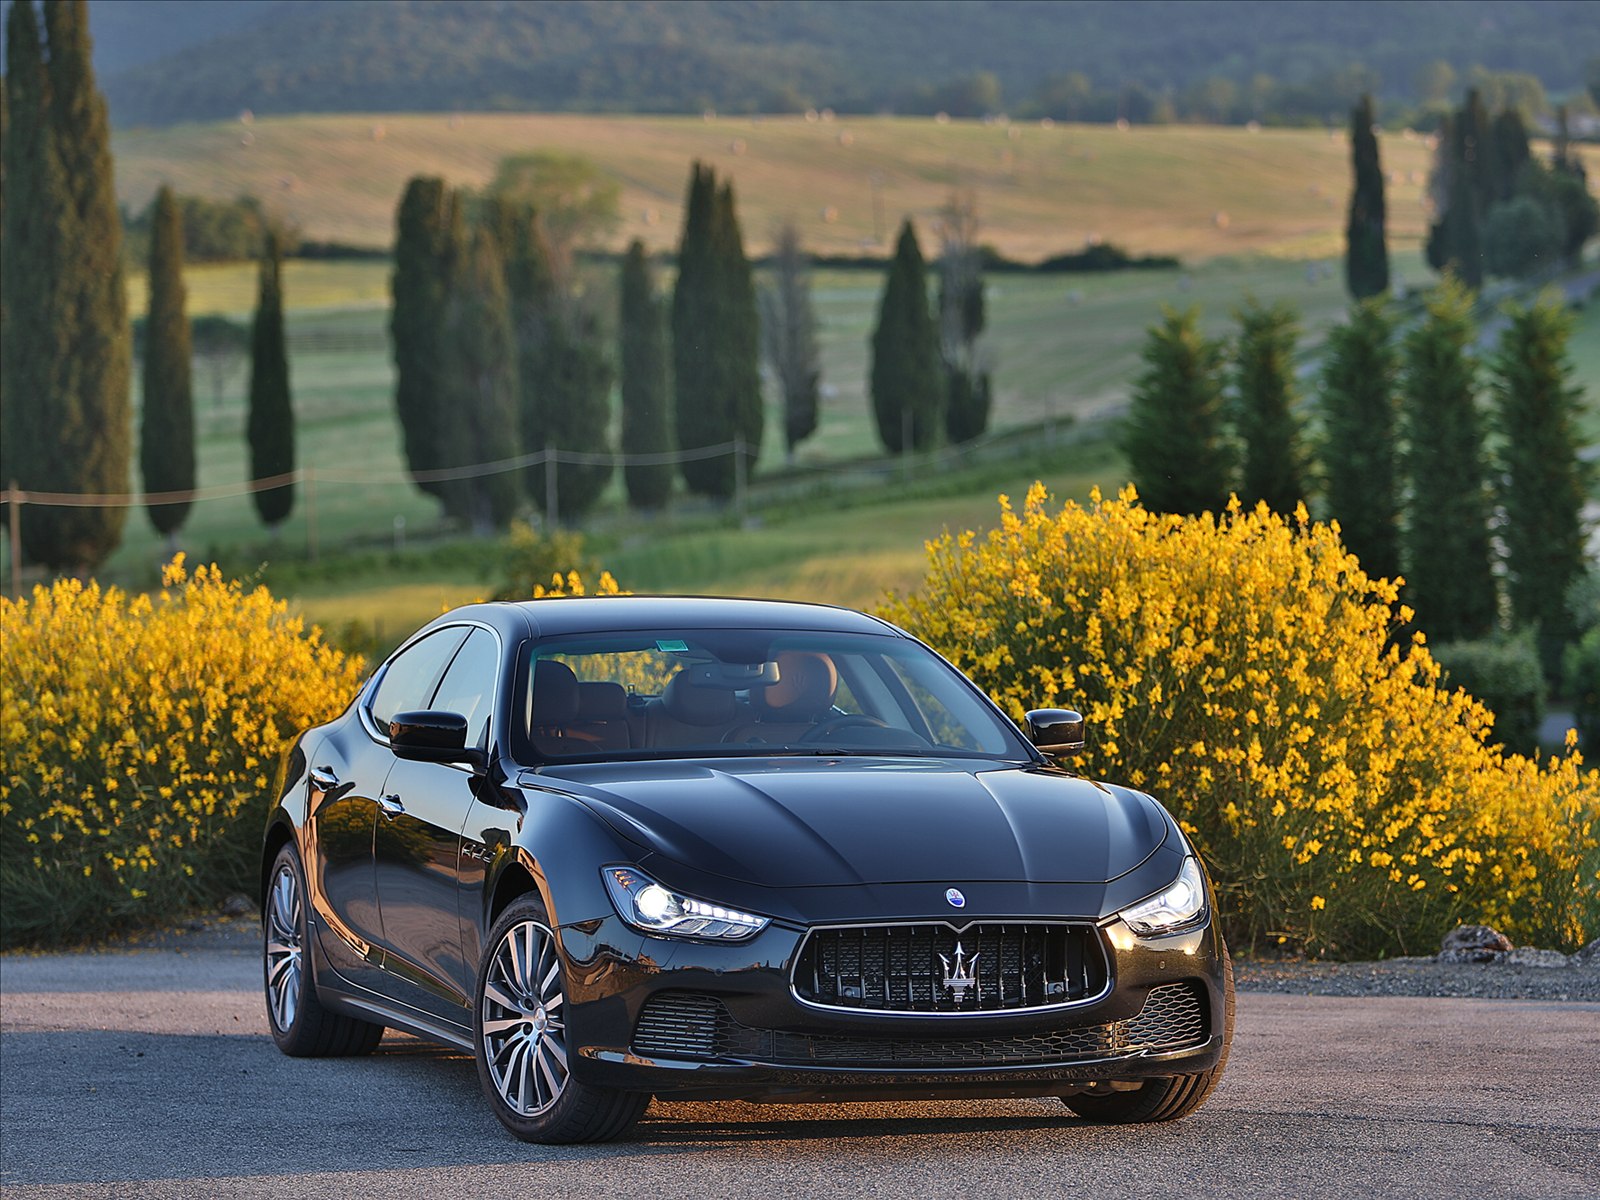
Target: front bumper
x,y
720,1022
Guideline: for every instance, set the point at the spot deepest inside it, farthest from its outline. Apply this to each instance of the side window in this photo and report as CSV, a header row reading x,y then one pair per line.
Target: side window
x,y
408,682
468,686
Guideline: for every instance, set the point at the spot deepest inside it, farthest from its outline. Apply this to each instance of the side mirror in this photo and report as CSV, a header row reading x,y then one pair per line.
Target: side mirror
x,y
1056,730
439,737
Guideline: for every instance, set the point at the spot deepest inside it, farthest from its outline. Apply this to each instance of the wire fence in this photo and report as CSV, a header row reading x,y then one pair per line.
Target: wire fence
x,y
780,484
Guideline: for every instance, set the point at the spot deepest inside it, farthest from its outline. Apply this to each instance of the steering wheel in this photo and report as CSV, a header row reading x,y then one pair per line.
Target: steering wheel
x,y
847,721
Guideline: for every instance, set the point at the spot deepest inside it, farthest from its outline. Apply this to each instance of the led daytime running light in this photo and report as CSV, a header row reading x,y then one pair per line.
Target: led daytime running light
x,y
645,904
1180,904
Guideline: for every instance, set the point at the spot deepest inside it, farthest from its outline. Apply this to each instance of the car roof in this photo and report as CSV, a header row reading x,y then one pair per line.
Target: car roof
x,y
616,614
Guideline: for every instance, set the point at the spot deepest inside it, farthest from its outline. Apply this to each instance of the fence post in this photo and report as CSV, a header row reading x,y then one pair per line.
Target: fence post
x,y
739,482
551,500
14,524
311,512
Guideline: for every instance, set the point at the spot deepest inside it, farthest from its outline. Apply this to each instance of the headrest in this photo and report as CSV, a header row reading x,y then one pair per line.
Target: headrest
x,y
555,693
692,705
806,684
602,701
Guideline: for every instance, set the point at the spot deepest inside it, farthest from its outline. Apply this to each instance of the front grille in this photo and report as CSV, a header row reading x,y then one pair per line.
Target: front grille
x,y
915,969
687,1025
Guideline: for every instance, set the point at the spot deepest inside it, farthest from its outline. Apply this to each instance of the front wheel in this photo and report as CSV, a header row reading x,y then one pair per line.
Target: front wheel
x,y
300,1024
521,1040
1169,1097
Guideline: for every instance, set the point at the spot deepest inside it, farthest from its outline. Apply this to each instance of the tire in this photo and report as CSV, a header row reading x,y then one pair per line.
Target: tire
x,y
519,1039
300,1024
1165,1098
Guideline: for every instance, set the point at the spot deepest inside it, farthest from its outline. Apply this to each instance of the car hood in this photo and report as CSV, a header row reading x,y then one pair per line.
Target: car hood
x,y
841,821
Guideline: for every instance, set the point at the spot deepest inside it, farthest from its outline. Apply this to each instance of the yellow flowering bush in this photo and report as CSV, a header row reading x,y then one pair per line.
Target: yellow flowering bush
x,y
1245,671
141,746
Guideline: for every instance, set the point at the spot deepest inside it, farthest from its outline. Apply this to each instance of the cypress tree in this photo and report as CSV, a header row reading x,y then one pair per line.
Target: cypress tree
x,y
1359,416
646,421
563,378
1173,437
270,422
1509,152
480,384
420,289
1274,468
962,320
1543,483
1462,188
738,351
68,352
789,337
1449,578
698,418
1366,254
166,437
907,382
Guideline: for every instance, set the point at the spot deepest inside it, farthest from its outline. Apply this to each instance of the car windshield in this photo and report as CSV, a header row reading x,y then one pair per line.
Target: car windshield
x,y
694,693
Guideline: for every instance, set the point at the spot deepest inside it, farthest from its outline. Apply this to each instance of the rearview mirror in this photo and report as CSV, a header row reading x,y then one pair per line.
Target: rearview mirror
x,y
431,737
1056,730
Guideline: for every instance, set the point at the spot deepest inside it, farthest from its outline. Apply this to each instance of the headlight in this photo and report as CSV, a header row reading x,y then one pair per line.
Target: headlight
x,y
1180,904
645,904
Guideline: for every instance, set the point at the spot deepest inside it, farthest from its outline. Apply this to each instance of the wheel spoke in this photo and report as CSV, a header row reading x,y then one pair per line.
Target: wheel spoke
x,y
500,1026
557,1051
492,991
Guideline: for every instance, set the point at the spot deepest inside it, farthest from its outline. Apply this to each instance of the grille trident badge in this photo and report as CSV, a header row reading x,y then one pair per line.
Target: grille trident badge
x,y
961,976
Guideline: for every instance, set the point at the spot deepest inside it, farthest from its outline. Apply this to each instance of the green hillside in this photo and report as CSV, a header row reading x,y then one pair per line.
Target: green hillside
x,y
783,55
1194,191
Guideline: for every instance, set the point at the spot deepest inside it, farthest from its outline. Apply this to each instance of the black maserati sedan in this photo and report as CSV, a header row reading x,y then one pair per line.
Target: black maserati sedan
x,y
619,847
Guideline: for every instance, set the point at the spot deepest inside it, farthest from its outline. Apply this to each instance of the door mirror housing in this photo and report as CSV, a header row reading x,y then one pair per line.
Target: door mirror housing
x,y
439,737
1056,730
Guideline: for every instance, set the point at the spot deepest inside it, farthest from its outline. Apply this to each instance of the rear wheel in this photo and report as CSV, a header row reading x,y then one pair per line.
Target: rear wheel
x,y
300,1024
1166,1098
521,1040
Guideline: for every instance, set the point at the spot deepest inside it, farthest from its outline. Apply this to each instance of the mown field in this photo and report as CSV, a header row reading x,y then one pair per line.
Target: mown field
x,y
1197,192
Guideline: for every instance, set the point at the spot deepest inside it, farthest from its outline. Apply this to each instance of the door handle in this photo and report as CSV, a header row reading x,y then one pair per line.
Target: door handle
x,y
391,805
324,779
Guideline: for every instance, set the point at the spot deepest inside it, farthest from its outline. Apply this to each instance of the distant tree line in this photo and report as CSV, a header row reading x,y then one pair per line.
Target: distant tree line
x,y
213,230
1399,453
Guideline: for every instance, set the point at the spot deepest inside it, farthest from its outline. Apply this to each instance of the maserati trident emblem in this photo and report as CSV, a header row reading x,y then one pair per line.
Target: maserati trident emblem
x,y
961,976
957,900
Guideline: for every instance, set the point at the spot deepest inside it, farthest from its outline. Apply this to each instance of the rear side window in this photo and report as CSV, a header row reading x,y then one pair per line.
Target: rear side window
x,y
468,685
410,678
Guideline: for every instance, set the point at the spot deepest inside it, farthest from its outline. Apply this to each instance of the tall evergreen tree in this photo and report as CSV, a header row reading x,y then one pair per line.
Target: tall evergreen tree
x,y
1366,254
1274,469
739,339
166,436
67,353
1173,438
563,377
1509,153
969,391
715,338
1543,482
1462,188
269,424
646,418
480,384
1359,417
907,381
1449,578
789,337
420,290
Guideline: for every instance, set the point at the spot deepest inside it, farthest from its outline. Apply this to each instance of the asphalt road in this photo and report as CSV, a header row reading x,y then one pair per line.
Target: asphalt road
x,y
149,1074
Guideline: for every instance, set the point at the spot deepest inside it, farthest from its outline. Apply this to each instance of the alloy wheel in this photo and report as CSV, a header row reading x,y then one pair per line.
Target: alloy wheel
x,y
284,948
523,1022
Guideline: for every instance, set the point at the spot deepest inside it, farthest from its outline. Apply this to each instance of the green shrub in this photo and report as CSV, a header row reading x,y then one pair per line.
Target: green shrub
x,y
1583,684
1505,677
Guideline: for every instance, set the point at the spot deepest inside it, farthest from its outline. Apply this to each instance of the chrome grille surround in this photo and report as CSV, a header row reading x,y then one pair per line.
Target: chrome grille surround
x,y
900,968
697,1026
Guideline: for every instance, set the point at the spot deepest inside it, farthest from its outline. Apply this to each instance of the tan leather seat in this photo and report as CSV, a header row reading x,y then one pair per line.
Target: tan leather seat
x,y
787,710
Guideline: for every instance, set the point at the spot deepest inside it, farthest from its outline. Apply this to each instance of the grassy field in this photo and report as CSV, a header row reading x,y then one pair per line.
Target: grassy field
x,y
1198,192
1062,345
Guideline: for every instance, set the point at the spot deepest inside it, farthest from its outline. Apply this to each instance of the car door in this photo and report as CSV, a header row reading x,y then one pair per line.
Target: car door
x,y
417,846
348,773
